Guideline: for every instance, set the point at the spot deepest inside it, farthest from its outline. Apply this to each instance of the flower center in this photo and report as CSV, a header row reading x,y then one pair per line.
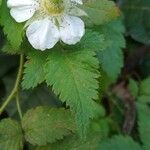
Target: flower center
x,y
53,7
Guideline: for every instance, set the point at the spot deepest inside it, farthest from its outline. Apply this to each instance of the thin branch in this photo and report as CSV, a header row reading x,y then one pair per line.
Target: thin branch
x,y
16,86
18,105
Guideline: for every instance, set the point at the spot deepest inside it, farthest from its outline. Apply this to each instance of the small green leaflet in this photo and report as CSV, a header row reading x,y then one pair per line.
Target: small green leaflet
x,y
133,87
34,69
13,30
44,125
100,11
111,57
11,137
145,87
92,40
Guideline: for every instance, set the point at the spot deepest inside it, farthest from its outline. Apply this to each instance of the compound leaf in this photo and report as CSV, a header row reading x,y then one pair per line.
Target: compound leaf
x,y
44,125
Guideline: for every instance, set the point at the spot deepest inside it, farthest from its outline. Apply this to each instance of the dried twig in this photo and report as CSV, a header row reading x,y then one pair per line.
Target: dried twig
x,y
130,114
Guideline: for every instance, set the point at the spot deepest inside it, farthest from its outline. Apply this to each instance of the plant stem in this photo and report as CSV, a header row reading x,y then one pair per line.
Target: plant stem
x,y
18,105
16,86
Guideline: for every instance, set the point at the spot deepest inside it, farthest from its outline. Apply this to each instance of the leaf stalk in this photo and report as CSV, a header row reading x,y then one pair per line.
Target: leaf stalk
x,y
15,90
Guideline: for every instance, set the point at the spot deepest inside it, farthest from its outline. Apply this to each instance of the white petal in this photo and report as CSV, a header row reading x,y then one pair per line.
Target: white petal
x,y
42,34
22,10
71,30
77,1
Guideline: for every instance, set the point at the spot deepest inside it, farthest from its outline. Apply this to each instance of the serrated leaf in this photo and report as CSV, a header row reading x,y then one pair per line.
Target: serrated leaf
x,y
13,30
11,137
111,57
136,19
34,70
145,87
9,49
144,124
46,125
100,11
74,143
133,87
73,75
119,143
93,41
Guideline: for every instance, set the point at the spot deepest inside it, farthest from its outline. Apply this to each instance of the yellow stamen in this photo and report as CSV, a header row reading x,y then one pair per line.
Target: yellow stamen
x,y
53,7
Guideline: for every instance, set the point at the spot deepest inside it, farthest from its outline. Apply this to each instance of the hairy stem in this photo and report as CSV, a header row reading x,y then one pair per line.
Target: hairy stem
x,y
18,105
16,86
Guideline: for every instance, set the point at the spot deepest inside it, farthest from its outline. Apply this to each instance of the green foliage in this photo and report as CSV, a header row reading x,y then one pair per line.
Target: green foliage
x,y
133,87
93,41
111,57
119,143
98,130
136,19
9,49
145,87
13,30
11,137
65,71
40,95
46,125
34,70
144,113
144,124
69,94
144,99
73,143
100,12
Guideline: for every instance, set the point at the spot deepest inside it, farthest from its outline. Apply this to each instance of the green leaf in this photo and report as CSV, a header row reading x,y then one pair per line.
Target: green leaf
x,y
100,11
119,143
133,87
145,87
144,124
111,57
144,99
74,143
73,75
9,49
13,30
11,137
136,19
34,70
44,125
100,126
92,40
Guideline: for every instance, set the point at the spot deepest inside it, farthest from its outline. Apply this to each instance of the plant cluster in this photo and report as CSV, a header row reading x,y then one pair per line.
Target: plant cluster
x,y
87,91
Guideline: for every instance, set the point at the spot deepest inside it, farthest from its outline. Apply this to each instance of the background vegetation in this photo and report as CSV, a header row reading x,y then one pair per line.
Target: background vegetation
x,y
123,120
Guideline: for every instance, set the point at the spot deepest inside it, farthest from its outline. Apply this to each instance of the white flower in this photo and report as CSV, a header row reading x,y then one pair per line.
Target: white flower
x,y
49,21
